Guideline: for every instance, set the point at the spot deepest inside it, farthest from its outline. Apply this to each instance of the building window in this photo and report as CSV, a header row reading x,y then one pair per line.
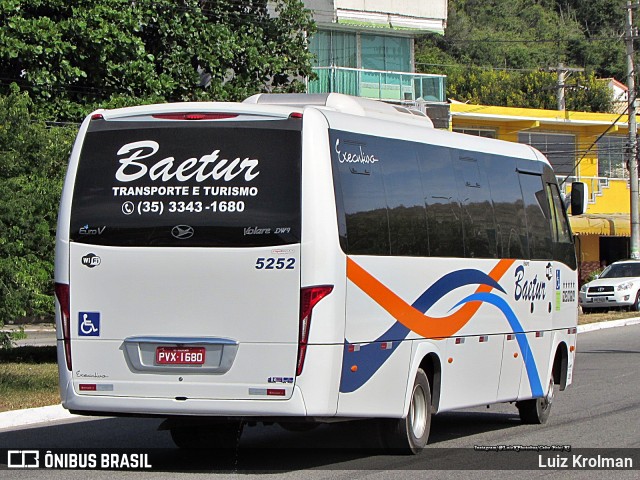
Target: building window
x,y
560,149
477,132
335,49
383,52
611,153
376,52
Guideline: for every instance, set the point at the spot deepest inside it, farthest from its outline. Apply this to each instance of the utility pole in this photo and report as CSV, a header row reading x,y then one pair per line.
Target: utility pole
x,y
561,83
630,32
562,74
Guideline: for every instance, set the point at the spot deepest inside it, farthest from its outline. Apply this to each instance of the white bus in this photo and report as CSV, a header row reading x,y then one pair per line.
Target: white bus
x,y
305,259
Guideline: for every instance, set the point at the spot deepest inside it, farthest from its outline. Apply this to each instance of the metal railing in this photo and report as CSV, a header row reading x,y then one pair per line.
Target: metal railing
x,y
379,85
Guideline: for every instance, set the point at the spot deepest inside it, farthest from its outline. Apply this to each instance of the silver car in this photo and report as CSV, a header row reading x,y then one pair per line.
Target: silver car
x,y
618,286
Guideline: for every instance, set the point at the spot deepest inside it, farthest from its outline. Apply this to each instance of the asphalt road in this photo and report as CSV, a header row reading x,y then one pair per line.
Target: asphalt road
x,y
601,410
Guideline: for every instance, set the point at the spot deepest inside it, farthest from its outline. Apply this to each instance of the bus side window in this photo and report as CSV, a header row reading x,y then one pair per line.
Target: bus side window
x,y
408,232
508,207
363,197
444,215
559,223
478,219
563,249
537,214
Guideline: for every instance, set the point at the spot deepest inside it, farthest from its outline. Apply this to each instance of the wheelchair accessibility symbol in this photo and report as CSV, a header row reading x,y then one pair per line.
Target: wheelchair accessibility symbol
x,y
89,324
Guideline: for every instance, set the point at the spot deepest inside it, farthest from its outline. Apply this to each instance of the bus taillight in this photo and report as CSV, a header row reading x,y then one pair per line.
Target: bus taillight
x,y
63,296
194,116
309,297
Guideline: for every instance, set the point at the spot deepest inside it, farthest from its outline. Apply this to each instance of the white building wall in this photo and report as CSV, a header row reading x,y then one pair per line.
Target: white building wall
x,y
425,15
429,9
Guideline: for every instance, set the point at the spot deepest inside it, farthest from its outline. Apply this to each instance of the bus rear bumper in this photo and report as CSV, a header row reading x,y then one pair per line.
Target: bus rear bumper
x,y
163,407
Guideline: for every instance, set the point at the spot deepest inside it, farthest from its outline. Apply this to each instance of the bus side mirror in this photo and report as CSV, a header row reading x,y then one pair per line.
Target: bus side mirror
x,y
579,198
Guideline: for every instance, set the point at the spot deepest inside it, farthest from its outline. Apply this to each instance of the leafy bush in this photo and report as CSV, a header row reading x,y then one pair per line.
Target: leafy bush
x,y
33,159
73,56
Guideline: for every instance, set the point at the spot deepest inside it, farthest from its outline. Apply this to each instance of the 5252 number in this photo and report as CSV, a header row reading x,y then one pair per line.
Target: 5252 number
x,y
271,263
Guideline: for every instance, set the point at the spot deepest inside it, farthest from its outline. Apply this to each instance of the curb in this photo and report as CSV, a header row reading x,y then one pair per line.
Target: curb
x,y
592,327
32,416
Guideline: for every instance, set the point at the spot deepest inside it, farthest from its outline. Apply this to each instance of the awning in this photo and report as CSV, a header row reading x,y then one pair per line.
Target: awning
x,y
612,224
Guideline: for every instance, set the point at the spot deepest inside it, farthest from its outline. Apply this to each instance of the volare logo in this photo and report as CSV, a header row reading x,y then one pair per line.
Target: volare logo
x,y
182,232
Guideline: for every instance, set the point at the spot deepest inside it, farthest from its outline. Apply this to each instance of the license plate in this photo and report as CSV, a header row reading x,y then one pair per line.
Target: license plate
x,y
180,355
599,300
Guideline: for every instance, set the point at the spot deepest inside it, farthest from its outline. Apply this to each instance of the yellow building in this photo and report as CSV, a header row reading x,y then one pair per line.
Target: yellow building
x,y
589,147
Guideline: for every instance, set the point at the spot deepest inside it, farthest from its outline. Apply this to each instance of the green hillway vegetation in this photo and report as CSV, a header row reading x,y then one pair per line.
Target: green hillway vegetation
x,y
497,52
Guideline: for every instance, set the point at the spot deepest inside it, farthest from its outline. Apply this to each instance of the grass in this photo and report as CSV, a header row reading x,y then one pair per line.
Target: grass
x,y
29,375
28,385
605,316
28,378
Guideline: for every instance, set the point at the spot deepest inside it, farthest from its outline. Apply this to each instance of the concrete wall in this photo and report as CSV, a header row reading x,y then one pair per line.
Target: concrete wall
x,y
431,9
424,15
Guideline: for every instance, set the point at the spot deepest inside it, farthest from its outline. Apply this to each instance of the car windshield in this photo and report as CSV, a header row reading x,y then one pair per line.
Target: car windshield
x,y
622,270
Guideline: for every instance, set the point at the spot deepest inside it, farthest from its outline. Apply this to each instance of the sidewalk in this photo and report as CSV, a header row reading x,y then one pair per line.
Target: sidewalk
x,y
32,416
38,334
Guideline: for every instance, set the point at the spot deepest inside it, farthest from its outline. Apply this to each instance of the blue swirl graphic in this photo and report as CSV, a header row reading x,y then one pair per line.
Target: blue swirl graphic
x,y
369,358
523,343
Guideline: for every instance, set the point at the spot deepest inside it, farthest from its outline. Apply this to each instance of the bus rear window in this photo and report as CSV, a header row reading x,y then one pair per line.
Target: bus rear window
x,y
210,184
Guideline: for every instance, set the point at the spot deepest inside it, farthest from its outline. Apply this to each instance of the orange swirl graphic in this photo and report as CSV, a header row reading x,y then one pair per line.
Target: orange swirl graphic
x,y
414,320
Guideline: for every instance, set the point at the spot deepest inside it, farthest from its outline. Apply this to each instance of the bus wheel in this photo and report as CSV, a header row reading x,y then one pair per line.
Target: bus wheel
x,y
537,410
218,436
410,434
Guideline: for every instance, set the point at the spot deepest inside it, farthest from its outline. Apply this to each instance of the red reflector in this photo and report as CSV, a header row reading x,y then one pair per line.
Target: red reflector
x,y
88,387
539,334
277,392
511,336
484,339
194,116
295,115
459,340
97,116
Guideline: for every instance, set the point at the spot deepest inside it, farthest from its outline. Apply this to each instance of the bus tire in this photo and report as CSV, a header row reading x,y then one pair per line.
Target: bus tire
x,y
217,436
409,435
536,411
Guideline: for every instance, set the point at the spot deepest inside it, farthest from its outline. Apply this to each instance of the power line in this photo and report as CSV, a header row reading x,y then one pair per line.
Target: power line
x,y
533,40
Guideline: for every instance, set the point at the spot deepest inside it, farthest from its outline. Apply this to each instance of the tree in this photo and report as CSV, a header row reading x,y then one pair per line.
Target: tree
x,y
523,37
526,89
32,164
72,56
